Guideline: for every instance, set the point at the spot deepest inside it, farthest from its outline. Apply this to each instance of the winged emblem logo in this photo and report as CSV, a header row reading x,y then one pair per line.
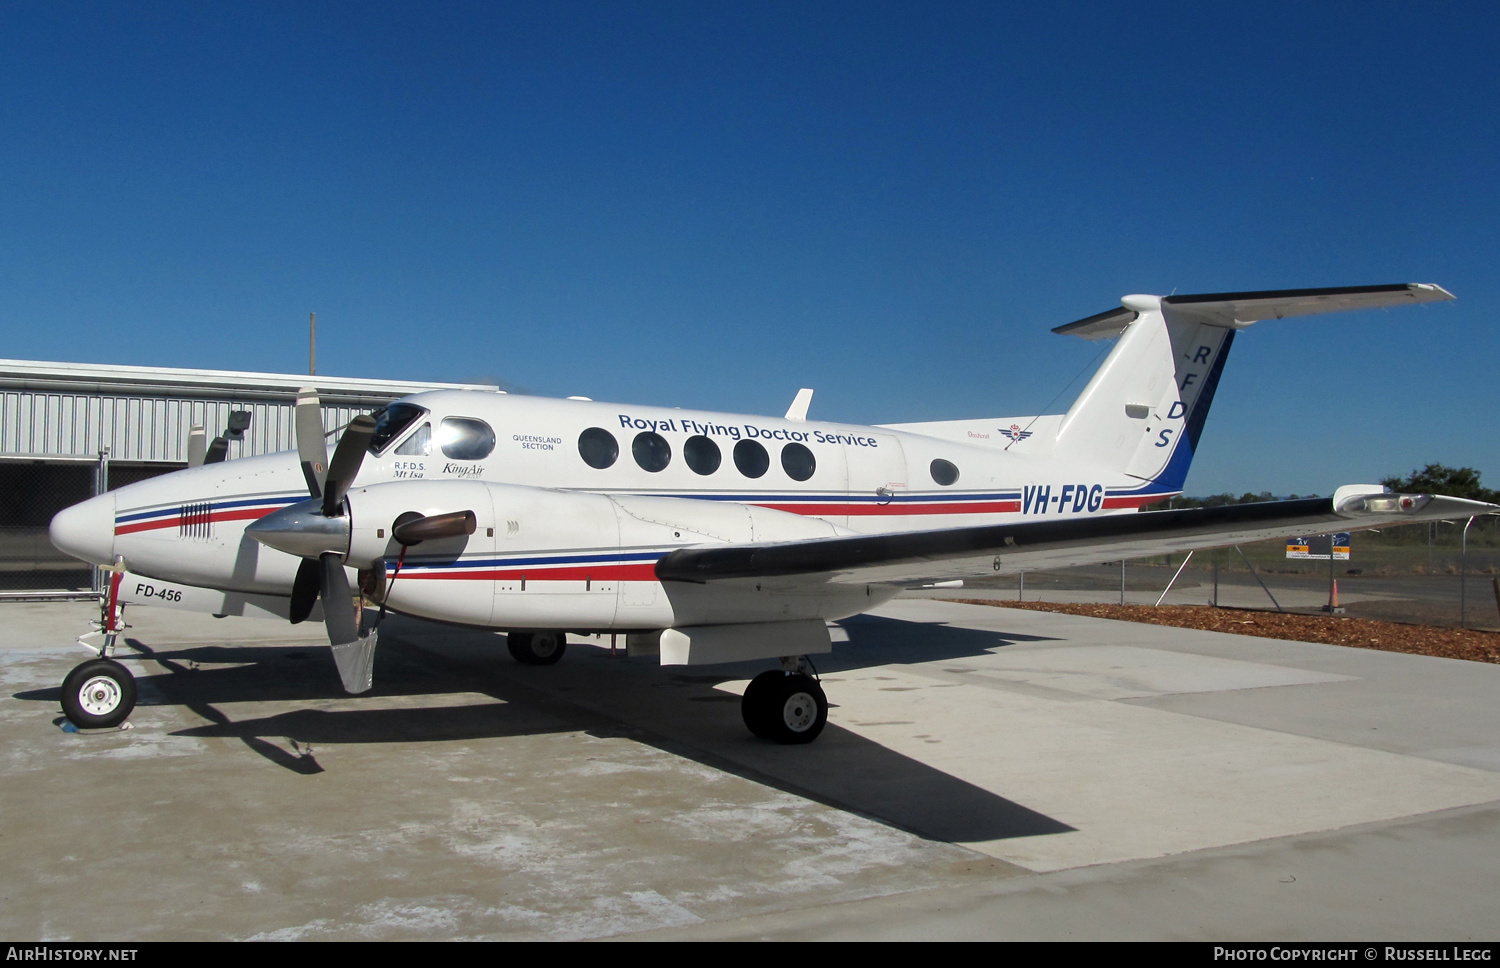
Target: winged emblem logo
x,y
1015,432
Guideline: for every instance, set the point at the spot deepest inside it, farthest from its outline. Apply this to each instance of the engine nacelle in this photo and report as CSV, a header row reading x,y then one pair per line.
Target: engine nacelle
x,y
542,558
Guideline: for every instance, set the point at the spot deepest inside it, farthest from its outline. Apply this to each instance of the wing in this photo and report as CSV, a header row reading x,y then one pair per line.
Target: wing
x,y
922,556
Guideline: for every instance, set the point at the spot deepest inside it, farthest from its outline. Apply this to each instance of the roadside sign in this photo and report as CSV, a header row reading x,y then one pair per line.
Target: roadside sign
x,y
1315,547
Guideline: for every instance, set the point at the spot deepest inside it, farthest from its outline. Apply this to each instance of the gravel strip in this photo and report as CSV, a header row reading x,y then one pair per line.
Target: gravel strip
x,y
1359,633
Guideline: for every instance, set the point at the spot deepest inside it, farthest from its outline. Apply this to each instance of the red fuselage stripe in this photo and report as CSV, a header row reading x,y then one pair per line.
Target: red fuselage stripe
x,y
1134,502
818,510
239,514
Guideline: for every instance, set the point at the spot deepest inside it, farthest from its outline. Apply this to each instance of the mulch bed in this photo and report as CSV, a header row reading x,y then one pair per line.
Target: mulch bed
x,y
1359,633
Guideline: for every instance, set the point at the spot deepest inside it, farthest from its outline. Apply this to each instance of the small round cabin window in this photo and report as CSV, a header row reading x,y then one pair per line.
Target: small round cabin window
x,y
798,462
702,455
651,451
751,458
598,448
466,438
944,472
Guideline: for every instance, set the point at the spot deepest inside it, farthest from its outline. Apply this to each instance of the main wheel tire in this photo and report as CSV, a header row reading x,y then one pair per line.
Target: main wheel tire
x,y
537,648
98,694
756,706
785,709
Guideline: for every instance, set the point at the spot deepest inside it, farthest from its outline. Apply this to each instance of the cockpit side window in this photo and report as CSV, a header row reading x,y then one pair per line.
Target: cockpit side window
x,y
418,444
391,422
466,438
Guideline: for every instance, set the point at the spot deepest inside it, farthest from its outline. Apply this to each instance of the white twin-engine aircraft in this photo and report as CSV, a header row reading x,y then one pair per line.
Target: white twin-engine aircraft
x,y
704,537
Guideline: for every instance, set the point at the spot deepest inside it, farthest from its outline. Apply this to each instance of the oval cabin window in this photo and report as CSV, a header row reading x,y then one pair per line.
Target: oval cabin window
x,y
798,462
651,451
702,455
598,448
944,472
466,438
751,458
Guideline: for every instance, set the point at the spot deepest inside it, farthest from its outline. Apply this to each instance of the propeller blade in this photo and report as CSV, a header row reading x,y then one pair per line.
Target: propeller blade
x,y
312,446
432,526
344,465
305,589
197,445
338,601
217,451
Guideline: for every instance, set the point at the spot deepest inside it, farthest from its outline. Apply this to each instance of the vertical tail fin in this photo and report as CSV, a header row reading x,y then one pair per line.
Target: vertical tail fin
x,y
1142,413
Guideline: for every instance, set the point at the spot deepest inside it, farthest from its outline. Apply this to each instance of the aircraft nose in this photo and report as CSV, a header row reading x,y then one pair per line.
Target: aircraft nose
x,y
87,530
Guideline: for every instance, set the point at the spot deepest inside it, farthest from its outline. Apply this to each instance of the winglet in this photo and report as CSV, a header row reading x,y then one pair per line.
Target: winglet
x,y
798,410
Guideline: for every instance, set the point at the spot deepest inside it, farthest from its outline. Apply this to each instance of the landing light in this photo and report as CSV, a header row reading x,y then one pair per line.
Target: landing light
x,y
1390,503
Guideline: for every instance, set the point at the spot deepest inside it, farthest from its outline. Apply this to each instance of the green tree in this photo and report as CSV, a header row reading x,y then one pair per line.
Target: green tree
x,y
1440,479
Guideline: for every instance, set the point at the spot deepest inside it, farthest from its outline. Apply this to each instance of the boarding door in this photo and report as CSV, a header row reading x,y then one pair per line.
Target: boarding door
x,y
877,483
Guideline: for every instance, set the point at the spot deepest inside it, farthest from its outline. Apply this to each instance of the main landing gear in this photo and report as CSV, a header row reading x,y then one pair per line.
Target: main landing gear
x,y
536,648
100,693
785,705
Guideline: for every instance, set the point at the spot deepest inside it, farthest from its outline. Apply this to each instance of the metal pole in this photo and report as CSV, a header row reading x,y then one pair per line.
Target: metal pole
x,y
1174,577
101,484
1216,578
1122,581
1330,574
1463,577
1021,592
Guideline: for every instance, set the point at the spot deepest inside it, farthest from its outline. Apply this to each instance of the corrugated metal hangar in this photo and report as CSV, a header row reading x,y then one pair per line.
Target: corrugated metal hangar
x,y
72,430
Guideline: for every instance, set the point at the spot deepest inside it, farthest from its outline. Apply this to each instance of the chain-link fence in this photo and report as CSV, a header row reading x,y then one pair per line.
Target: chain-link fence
x,y
31,492
1426,574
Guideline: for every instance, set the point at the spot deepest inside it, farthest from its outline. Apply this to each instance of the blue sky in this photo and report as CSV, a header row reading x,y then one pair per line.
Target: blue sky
x,y
713,204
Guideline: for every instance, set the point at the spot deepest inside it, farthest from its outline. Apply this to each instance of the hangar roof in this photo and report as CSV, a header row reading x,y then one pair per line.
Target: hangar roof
x,y
173,382
76,411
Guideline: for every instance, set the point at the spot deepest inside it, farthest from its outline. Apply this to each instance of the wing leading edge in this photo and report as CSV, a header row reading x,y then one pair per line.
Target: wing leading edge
x,y
921,556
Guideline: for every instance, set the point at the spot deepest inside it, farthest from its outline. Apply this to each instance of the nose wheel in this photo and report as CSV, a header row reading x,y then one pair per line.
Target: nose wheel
x,y
98,694
787,708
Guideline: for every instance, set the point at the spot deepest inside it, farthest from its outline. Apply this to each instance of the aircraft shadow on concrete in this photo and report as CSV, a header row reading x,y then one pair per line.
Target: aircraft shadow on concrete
x,y
841,770
875,640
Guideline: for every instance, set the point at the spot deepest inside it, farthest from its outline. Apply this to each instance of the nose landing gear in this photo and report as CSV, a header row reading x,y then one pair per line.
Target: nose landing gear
x,y
785,705
100,693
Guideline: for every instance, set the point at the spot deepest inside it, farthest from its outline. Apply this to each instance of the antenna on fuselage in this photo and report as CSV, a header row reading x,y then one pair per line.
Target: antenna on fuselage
x,y
798,410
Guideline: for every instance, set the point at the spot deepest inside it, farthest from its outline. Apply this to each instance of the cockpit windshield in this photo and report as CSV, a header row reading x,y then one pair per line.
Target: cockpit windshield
x,y
391,422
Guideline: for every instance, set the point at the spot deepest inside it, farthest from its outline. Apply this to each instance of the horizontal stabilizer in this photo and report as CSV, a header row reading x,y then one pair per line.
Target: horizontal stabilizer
x,y
1240,309
1111,322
